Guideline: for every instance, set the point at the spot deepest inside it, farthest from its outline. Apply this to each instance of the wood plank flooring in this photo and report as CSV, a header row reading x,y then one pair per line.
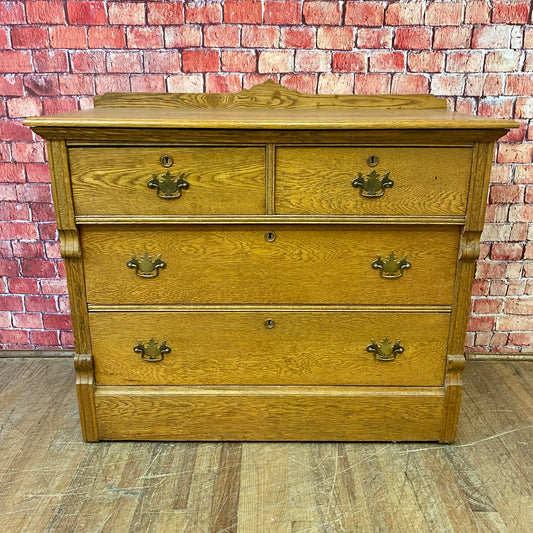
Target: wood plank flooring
x,y
51,481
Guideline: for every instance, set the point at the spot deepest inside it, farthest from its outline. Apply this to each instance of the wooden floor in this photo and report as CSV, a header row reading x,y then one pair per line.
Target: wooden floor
x,y
51,481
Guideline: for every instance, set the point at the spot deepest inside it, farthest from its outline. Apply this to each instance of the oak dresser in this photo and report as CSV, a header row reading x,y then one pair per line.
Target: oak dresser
x,y
269,265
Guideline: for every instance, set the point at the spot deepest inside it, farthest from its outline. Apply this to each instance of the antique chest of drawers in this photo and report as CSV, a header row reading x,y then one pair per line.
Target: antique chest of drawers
x,y
269,265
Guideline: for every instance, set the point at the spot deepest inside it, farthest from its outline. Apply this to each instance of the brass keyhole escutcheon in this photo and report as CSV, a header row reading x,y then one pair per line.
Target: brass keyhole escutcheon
x,y
166,160
372,160
269,323
270,236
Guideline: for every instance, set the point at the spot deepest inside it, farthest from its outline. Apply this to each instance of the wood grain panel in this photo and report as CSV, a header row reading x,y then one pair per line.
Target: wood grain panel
x,y
318,180
113,181
214,347
269,413
304,265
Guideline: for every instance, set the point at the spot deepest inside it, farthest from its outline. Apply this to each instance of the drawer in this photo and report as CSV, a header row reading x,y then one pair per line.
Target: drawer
x,y
297,347
306,264
218,180
425,181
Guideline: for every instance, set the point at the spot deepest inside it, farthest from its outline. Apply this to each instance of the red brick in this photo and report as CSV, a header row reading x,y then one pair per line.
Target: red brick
x,y
412,38
200,61
510,12
107,37
53,106
404,14
335,38
35,268
163,62
477,12
488,306
519,232
364,14
203,13
335,84
57,321
497,213
5,318
498,287
44,339
112,83
186,83
452,37
27,320
506,194
11,303
524,174
23,107
528,251
9,268
387,62
312,61
4,39
222,83
278,61
55,286
506,252
484,84
371,83
465,105
41,84
47,231
45,12
50,61
87,62
502,61
515,323
519,84
303,83
521,339
425,61
164,13
444,14
300,37
12,172
15,61
183,37
469,61
528,37
27,152
13,130
14,338
528,271
480,287
12,13
124,62
488,270
144,37
243,11
349,62
515,153
29,37
491,37
447,84
221,36
260,36
374,38
529,195
68,37
126,13
11,85
480,323
53,249
238,61
409,84
86,13
76,84
322,12
286,12
521,213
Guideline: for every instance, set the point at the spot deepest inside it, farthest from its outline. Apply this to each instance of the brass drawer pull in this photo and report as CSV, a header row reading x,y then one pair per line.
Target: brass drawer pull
x,y
167,187
391,267
371,185
145,267
151,352
385,350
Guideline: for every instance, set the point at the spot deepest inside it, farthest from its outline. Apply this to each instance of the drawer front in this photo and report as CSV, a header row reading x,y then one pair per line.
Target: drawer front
x,y
320,180
218,180
267,347
303,264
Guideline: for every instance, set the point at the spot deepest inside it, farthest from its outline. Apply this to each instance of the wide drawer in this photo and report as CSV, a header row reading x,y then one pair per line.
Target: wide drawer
x,y
268,347
221,180
426,181
306,264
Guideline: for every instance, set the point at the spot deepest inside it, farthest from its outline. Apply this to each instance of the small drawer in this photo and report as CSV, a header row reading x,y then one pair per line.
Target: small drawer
x,y
133,181
269,348
260,264
372,180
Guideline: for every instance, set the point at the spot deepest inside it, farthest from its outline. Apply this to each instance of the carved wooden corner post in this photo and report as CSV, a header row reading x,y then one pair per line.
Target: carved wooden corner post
x,y
71,252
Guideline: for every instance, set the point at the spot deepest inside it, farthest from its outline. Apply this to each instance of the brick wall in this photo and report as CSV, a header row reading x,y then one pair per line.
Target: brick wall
x,y
55,55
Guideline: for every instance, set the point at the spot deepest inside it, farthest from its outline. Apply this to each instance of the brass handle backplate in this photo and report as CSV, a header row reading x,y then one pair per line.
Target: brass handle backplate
x,y
150,351
391,267
144,266
167,187
385,350
372,185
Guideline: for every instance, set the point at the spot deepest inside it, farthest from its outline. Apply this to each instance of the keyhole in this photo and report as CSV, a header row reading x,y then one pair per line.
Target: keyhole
x,y
270,236
372,160
269,324
166,160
